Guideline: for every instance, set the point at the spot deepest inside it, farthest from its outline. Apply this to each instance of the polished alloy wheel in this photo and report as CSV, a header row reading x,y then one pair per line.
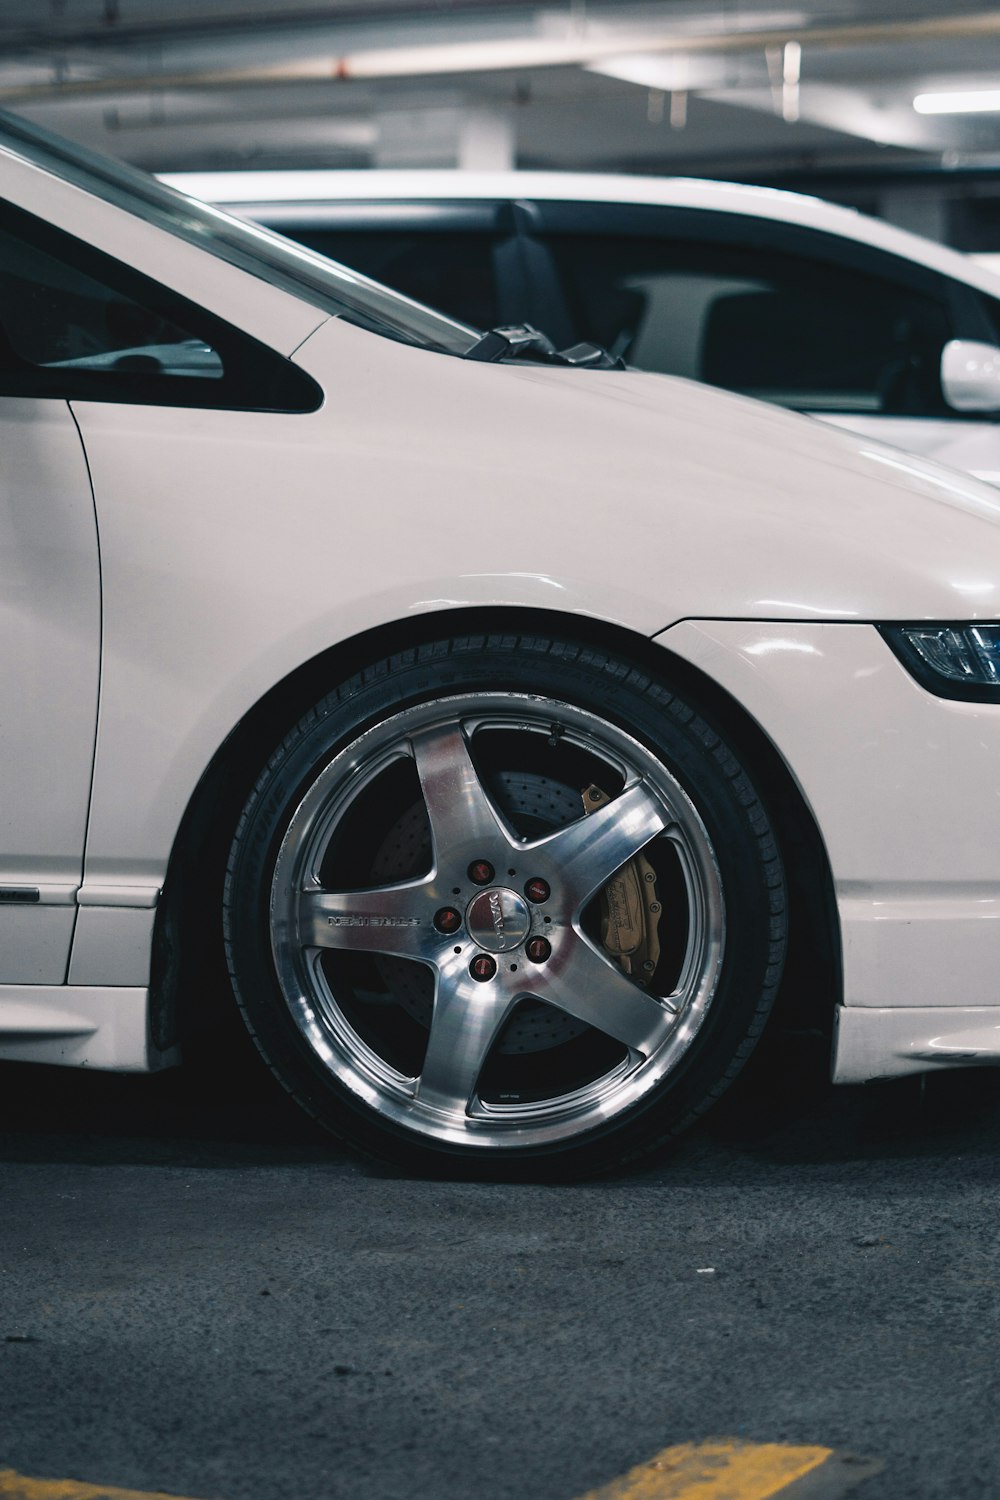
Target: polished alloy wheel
x,y
450,746
482,923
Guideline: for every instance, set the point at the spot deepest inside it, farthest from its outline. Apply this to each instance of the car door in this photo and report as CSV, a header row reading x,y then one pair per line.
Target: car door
x,y
79,331
49,663
809,320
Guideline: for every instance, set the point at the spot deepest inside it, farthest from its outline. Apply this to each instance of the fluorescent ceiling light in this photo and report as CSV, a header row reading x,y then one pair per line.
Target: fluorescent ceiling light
x,y
958,102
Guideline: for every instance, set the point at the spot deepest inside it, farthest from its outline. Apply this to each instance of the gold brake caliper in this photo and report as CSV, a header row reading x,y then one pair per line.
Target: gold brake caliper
x,y
630,912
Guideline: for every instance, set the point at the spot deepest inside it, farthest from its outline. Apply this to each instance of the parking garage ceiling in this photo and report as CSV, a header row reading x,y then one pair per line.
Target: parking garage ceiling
x,y
739,88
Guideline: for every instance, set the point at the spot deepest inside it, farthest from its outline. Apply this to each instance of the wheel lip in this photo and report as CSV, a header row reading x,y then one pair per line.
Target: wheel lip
x,y
497,1128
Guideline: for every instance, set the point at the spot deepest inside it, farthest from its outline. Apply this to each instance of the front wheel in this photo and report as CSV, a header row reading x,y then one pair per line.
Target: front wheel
x,y
505,900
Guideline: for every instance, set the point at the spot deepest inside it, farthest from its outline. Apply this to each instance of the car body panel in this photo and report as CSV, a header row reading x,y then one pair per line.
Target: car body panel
x,y
973,446
331,525
891,774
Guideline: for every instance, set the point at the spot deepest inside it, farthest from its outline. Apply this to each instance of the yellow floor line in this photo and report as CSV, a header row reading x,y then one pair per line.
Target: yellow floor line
x,y
20,1487
724,1469
719,1469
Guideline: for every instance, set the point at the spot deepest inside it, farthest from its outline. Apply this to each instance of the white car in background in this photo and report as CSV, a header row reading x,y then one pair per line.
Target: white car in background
x,y
767,293
516,733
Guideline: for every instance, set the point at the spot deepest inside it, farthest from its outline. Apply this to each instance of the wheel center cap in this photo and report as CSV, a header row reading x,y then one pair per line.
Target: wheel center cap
x,y
498,919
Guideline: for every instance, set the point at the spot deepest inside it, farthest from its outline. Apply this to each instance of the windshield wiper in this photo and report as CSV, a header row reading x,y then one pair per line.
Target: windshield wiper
x,y
516,339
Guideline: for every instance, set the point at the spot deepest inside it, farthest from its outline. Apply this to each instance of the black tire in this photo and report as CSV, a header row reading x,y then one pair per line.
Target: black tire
x,y
360,903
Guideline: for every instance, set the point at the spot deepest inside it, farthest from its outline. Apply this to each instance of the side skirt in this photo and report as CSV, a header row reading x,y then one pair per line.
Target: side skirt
x,y
80,1026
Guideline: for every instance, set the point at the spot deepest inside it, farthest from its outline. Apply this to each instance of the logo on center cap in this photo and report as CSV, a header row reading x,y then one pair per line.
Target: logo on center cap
x,y
498,920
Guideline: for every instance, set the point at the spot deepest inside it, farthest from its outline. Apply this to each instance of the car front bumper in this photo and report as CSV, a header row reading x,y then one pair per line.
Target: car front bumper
x,y
905,791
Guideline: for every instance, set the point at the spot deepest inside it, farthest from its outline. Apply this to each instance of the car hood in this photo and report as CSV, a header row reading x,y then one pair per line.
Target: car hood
x,y
647,498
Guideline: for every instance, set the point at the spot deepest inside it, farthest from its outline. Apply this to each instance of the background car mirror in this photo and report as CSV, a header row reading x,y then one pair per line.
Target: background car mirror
x,y
970,375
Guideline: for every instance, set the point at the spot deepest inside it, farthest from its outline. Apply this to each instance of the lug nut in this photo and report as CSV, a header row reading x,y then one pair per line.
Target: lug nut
x,y
483,967
481,872
538,950
447,919
537,890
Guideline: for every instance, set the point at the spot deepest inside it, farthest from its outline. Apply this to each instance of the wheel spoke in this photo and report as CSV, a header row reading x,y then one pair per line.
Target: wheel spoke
x,y
467,1017
595,990
393,919
581,858
464,823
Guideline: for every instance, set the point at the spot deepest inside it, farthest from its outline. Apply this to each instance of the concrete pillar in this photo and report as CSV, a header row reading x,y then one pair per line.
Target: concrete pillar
x,y
486,141
920,210
477,140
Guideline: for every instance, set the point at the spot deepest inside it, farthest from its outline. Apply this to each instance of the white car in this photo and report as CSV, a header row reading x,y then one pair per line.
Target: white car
x,y
771,294
519,732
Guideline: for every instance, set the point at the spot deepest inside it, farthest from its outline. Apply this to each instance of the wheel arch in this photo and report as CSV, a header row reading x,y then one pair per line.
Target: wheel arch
x,y
189,982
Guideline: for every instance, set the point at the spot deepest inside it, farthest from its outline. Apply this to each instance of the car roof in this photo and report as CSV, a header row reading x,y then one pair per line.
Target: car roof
x,y
259,191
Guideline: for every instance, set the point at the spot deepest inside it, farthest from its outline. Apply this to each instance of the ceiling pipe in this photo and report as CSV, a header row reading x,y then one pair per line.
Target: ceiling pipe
x,y
525,53
63,31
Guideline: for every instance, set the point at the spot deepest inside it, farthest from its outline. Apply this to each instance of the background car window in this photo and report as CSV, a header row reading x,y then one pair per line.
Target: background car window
x,y
799,332
55,315
452,270
989,306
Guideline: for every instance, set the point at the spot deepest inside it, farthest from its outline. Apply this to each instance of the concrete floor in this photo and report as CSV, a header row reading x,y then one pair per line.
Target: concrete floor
x,y
200,1294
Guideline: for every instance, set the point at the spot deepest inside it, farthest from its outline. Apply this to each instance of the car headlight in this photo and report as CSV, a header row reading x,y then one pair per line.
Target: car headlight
x,y
953,661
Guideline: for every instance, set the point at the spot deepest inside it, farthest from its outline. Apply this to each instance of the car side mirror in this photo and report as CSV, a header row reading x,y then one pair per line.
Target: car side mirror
x,y
970,375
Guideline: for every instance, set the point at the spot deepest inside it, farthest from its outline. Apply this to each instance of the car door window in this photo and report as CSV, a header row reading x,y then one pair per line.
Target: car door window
x,y
768,322
73,322
58,317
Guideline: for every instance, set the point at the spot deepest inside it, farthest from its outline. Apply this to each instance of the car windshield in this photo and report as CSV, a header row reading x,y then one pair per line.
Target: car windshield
x,y
333,288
